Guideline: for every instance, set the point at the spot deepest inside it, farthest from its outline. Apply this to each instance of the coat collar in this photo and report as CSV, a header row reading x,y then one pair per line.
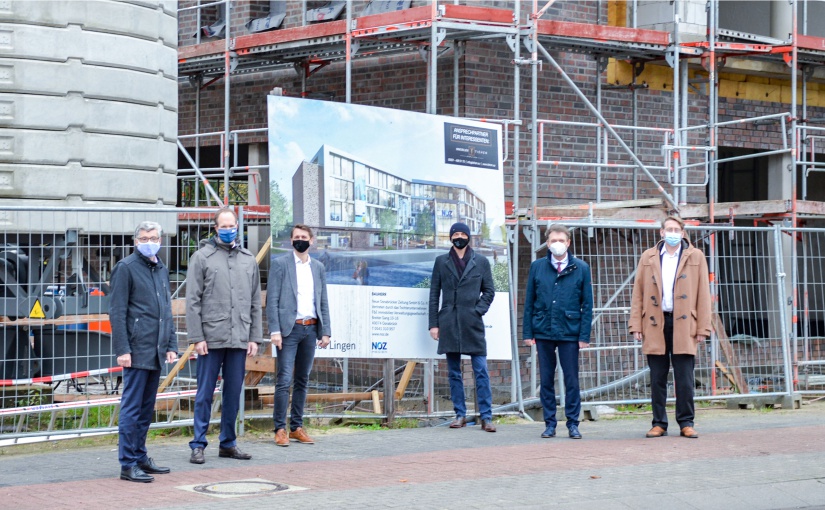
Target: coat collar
x,y
470,264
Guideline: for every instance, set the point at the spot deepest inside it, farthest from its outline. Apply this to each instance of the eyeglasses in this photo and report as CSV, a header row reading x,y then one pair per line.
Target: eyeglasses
x,y
148,239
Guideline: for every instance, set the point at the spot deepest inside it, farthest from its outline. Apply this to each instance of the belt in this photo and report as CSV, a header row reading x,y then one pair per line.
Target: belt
x,y
306,322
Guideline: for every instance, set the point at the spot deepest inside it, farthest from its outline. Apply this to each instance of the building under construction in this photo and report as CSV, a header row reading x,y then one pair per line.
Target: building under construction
x,y
613,113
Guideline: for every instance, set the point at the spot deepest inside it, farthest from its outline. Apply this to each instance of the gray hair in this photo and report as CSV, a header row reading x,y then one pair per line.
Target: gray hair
x,y
146,226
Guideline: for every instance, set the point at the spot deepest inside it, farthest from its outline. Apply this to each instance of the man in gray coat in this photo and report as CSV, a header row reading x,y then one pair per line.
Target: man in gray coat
x,y
223,319
464,282
298,313
143,336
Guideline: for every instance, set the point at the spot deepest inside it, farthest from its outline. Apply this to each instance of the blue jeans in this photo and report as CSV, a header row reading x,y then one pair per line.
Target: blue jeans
x,y
483,392
296,355
137,406
232,363
569,359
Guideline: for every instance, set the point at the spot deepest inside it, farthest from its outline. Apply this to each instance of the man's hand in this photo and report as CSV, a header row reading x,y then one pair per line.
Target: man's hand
x,y
124,360
583,345
529,342
171,357
251,349
434,333
323,342
638,336
276,340
700,338
201,348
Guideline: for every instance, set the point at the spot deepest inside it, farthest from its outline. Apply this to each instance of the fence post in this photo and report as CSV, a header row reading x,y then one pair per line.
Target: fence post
x,y
783,325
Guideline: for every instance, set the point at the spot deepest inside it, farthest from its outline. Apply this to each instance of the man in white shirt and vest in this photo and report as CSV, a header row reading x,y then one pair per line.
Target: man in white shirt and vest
x,y
297,310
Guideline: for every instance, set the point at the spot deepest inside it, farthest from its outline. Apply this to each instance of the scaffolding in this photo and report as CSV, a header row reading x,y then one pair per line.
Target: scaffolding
x,y
690,159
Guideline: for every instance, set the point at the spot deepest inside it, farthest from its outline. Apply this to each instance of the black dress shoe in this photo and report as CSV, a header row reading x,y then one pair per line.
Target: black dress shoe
x,y
135,474
574,432
153,469
460,421
197,456
233,453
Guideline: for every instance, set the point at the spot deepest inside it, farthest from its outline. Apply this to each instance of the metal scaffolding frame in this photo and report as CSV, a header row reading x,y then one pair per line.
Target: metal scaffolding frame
x,y
442,28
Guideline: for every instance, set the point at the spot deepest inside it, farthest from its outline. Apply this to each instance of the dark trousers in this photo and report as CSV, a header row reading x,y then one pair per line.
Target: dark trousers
x,y
484,394
295,359
137,406
569,359
683,381
232,364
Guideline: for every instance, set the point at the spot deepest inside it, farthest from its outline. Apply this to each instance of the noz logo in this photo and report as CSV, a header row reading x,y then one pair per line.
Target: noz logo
x,y
379,346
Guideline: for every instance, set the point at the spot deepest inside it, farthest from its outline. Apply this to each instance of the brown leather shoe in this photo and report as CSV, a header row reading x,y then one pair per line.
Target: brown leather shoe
x,y
487,426
656,431
281,439
689,432
460,421
301,436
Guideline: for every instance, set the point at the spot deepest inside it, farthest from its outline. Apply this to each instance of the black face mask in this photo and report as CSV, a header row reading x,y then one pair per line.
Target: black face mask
x,y
300,245
460,242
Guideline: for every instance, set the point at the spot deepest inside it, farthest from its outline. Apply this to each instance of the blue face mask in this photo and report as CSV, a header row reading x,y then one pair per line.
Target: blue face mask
x,y
227,235
673,239
148,250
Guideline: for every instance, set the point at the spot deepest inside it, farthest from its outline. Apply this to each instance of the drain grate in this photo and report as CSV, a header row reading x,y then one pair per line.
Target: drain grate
x,y
240,488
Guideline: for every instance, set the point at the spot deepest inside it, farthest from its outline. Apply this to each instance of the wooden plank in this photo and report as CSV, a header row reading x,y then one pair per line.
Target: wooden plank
x,y
326,397
66,319
376,402
177,368
730,355
648,214
405,380
724,209
621,204
473,13
602,32
259,366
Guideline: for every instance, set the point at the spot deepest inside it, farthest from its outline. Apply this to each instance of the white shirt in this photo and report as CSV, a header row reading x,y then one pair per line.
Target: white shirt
x,y
306,289
669,265
556,262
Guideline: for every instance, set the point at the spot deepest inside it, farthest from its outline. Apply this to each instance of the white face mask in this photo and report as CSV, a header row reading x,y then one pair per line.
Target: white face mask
x,y
558,248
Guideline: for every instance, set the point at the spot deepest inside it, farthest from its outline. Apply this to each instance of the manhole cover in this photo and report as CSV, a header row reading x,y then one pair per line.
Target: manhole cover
x,y
240,488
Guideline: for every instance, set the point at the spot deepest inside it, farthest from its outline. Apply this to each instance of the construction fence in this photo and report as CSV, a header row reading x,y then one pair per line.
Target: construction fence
x,y
59,378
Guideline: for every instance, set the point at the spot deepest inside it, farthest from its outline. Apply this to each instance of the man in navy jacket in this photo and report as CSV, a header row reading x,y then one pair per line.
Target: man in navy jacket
x,y
143,337
558,309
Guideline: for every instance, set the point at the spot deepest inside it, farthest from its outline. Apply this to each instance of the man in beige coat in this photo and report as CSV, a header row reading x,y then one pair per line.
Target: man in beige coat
x,y
670,314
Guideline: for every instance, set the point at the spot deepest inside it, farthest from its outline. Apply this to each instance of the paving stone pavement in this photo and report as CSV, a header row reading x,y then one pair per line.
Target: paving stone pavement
x,y
746,460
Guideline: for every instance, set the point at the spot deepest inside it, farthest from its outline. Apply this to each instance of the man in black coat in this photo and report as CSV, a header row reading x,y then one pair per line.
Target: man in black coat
x,y
464,282
143,336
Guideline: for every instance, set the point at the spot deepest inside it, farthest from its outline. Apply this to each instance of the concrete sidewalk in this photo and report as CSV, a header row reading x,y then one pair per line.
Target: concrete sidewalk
x,y
743,460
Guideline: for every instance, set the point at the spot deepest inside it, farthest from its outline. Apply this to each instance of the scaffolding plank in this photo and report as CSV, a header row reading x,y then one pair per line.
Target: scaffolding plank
x,y
482,14
646,214
736,209
602,32
811,42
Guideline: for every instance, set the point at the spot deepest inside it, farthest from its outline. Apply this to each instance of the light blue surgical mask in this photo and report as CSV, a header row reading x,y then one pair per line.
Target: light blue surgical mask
x,y
673,239
227,235
148,250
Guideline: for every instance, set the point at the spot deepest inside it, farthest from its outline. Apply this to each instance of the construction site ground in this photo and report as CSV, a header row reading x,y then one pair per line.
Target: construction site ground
x,y
744,459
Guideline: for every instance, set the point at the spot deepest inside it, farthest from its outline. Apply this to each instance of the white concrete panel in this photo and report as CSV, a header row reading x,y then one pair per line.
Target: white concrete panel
x,y
58,113
89,184
147,20
91,149
97,48
37,77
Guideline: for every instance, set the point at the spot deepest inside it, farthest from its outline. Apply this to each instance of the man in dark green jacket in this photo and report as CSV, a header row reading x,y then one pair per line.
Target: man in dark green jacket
x,y
558,309
143,336
223,320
